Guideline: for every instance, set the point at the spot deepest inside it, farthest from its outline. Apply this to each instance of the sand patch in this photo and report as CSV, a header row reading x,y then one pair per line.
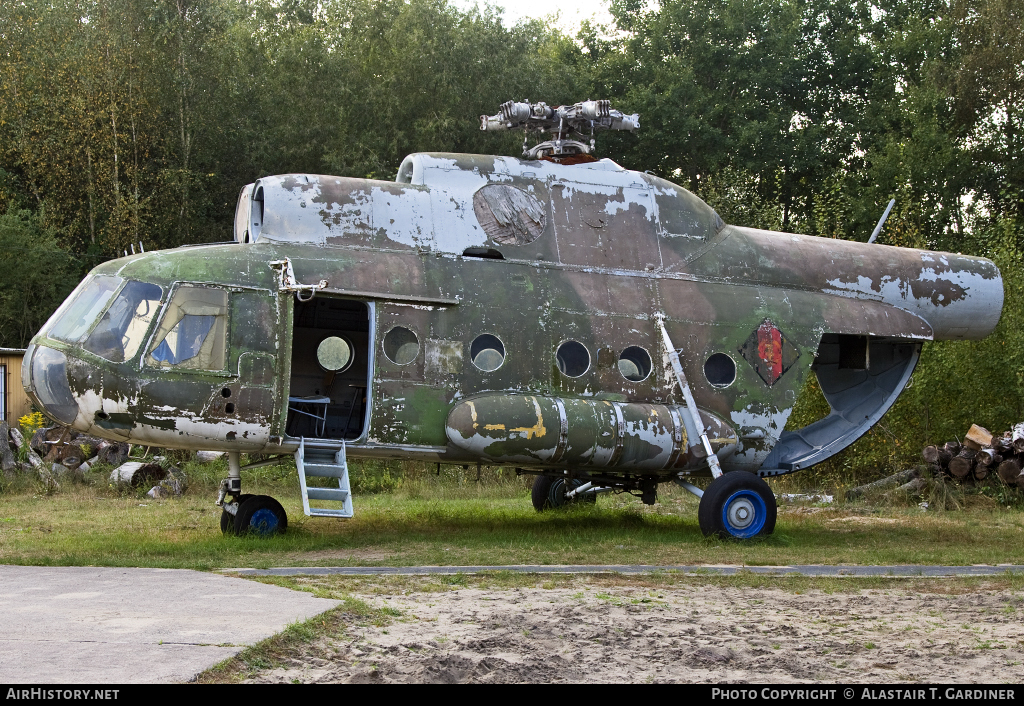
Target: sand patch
x,y
703,634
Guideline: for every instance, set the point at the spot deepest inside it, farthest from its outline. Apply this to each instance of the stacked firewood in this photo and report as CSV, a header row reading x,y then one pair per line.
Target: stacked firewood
x,y
981,455
55,449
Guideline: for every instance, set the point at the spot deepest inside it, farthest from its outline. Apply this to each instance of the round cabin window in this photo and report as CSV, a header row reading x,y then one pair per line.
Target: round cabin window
x,y
635,363
401,346
573,359
334,354
720,370
487,352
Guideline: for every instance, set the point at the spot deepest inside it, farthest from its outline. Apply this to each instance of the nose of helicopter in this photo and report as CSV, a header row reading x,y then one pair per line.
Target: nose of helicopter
x,y
45,379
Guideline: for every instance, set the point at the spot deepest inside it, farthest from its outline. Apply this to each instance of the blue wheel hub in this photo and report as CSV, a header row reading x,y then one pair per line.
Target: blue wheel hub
x,y
744,514
263,521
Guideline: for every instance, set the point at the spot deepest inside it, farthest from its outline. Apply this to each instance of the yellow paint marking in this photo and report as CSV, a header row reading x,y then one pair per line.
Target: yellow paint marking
x,y
537,429
472,411
494,427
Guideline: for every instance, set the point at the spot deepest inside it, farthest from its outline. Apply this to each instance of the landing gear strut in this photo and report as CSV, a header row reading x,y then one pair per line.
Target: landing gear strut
x,y
260,515
550,491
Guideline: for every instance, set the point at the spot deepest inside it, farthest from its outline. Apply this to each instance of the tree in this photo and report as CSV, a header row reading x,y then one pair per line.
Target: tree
x,y
36,275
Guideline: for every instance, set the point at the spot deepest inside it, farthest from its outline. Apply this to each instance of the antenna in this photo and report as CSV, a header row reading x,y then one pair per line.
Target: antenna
x,y
563,123
881,222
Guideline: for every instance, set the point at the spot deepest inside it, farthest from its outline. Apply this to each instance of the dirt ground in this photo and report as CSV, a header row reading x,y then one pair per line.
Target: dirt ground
x,y
695,634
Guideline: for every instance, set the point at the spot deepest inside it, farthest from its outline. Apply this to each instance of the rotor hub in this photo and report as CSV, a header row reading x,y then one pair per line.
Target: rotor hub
x,y
567,125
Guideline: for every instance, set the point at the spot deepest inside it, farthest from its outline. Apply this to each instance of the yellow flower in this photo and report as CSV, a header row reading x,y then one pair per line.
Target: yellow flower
x,y
30,422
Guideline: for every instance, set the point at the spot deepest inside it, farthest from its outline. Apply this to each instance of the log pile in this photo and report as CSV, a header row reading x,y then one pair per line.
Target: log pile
x,y
981,455
55,451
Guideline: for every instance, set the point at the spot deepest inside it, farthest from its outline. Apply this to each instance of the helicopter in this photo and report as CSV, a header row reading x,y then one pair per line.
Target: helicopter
x,y
598,328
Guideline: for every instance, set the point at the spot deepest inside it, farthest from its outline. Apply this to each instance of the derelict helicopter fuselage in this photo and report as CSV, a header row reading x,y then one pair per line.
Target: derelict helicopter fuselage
x,y
501,311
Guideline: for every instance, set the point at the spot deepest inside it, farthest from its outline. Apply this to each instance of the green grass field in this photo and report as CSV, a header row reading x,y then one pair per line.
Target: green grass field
x,y
424,519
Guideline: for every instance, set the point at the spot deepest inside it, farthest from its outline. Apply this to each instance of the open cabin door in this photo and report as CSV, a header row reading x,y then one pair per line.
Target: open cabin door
x,y
330,366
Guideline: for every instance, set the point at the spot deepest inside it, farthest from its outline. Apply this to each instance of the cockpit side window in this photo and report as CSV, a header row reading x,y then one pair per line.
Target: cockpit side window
x,y
122,327
192,333
74,322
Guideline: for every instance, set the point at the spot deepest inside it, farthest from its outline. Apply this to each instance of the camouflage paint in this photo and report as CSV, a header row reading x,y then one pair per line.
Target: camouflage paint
x,y
590,253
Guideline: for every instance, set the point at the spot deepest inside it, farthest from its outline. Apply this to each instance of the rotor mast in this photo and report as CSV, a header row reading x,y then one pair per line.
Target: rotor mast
x,y
567,125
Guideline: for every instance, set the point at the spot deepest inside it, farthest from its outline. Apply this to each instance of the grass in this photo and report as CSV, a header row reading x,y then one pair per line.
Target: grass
x,y
453,520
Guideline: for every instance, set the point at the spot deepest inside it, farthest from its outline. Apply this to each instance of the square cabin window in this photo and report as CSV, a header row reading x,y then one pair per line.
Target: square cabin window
x,y
119,333
192,333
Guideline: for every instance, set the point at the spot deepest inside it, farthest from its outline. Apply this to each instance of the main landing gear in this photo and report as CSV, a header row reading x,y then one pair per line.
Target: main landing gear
x,y
259,515
551,491
737,505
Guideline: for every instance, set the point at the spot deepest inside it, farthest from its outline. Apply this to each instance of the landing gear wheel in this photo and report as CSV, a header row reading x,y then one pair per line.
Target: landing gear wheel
x,y
549,492
737,505
227,520
260,515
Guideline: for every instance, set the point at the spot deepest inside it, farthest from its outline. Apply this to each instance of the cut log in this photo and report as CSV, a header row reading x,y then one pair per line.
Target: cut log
x,y
981,472
8,462
962,464
930,454
979,436
58,442
208,456
887,482
19,441
936,455
115,454
1003,444
914,487
137,473
1017,435
953,448
38,441
987,457
1008,471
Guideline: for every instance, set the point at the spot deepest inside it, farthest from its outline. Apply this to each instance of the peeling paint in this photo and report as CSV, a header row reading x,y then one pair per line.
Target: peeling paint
x,y
589,253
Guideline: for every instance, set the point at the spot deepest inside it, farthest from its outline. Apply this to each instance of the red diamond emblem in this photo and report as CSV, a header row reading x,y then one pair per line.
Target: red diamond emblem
x,y
768,351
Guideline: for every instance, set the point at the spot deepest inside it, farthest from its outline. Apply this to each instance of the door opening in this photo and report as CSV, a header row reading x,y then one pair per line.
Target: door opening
x,y
330,369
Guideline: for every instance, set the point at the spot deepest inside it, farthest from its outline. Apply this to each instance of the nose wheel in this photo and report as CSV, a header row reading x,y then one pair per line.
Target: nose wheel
x,y
737,505
259,515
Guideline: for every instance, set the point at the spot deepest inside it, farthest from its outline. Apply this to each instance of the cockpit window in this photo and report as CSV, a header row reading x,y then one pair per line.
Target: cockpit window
x,y
73,323
119,333
192,332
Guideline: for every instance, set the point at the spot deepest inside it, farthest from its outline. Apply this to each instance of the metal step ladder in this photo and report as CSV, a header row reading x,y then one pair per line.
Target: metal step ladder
x,y
324,459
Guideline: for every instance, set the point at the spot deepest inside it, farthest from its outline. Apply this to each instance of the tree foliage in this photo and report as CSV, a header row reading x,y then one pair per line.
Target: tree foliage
x,y
36,274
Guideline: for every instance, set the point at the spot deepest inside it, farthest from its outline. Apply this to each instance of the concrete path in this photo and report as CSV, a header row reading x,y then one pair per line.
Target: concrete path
x,y
101,625
907,570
